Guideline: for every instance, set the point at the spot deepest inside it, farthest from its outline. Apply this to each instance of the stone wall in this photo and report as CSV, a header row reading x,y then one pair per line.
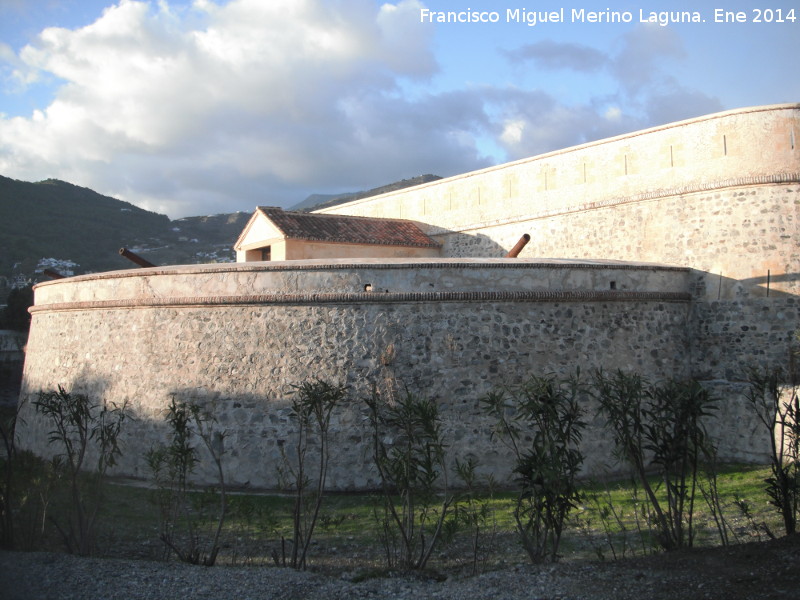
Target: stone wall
x,y
242,357
739,241
730,336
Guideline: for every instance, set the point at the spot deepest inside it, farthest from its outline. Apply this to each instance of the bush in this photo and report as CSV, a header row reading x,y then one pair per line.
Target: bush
x,y
540,421
82,430
777,407
312,409
409,454
661,427
181,511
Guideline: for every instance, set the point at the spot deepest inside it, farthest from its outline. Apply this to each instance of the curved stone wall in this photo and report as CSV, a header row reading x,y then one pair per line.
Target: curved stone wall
x,y
237,337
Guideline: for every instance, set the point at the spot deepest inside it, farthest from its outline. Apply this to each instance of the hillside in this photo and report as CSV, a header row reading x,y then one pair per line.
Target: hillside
x,y
319,201
70,224
57,219
80,231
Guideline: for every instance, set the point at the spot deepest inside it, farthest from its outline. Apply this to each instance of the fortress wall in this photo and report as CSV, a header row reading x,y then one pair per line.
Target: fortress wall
x,y
241,359
731,336
717,196
717,193
735,238
253,280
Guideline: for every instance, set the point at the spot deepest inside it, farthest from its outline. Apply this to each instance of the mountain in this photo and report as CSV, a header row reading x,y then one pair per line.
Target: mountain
x,y
74,230
200,240
79,231
320,201
57,219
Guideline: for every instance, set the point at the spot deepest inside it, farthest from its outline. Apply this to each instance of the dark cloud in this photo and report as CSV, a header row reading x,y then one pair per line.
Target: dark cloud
x,y
644,50
679,104
534,122
548,54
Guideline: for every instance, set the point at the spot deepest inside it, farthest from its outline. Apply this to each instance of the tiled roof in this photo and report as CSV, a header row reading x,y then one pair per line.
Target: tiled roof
x,y
346,229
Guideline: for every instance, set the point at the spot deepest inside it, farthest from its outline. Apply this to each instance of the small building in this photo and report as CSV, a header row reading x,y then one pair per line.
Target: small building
x,y
275,234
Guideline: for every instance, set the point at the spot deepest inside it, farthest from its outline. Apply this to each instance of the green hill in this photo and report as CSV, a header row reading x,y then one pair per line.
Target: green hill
x,y
67,224
59,220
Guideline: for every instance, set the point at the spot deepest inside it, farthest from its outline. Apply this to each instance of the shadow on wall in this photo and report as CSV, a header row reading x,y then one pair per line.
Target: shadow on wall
x,y
464,245
251,434
737,324
10,381
709,287
767,284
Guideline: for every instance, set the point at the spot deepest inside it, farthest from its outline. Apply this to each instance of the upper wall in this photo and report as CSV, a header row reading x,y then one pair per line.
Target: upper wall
x,y
729,174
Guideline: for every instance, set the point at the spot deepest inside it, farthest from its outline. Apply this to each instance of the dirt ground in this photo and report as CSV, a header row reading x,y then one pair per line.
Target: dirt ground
x,y
753,571
763,570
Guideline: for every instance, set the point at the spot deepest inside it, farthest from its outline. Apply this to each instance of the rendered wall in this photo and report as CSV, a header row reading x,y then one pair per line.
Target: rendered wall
x,y
304,250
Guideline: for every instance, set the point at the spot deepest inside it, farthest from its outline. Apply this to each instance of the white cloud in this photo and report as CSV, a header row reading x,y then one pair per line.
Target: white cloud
x,y
219,107
613,113
157,103
512,132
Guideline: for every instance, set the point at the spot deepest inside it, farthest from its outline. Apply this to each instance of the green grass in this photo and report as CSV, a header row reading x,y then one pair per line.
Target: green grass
x,y
347,536
625,530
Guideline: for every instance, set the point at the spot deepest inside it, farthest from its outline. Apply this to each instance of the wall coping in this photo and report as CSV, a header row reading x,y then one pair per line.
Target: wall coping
x,y
365,298
366,263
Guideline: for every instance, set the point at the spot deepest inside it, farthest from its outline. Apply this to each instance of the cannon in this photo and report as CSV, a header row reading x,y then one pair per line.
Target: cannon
x,y
514,252
135,258
53,274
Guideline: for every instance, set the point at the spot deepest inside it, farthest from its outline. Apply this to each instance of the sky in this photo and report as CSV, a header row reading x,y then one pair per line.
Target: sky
x,y
211,106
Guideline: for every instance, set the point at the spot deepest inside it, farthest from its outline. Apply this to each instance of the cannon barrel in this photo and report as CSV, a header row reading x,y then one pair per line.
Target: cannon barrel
x,y
52,274
514,252
135,258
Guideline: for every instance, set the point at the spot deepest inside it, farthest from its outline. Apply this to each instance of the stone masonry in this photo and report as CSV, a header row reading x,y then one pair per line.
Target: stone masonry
x,y
676,253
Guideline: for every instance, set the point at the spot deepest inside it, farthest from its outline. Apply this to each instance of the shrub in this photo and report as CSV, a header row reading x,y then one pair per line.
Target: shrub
x,y
661,427
182,512
82,430
312,408
540,421
777,407
472,509
409,453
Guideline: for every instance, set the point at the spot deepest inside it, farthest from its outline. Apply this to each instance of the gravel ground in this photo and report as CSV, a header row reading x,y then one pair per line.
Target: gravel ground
x,y
763,570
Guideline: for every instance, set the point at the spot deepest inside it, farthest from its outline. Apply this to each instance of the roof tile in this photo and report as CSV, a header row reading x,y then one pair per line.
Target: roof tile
x,y
347,229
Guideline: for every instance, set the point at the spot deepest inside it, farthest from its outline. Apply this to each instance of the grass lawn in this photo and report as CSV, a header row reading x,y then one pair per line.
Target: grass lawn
x,y
611,522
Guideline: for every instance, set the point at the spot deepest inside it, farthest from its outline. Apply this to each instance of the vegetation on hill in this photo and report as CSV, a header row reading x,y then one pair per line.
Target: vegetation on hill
x,y
68,224
56,219
80,231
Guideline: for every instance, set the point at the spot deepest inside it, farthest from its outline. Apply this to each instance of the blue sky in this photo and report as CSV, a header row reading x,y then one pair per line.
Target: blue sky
x,y
206,106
